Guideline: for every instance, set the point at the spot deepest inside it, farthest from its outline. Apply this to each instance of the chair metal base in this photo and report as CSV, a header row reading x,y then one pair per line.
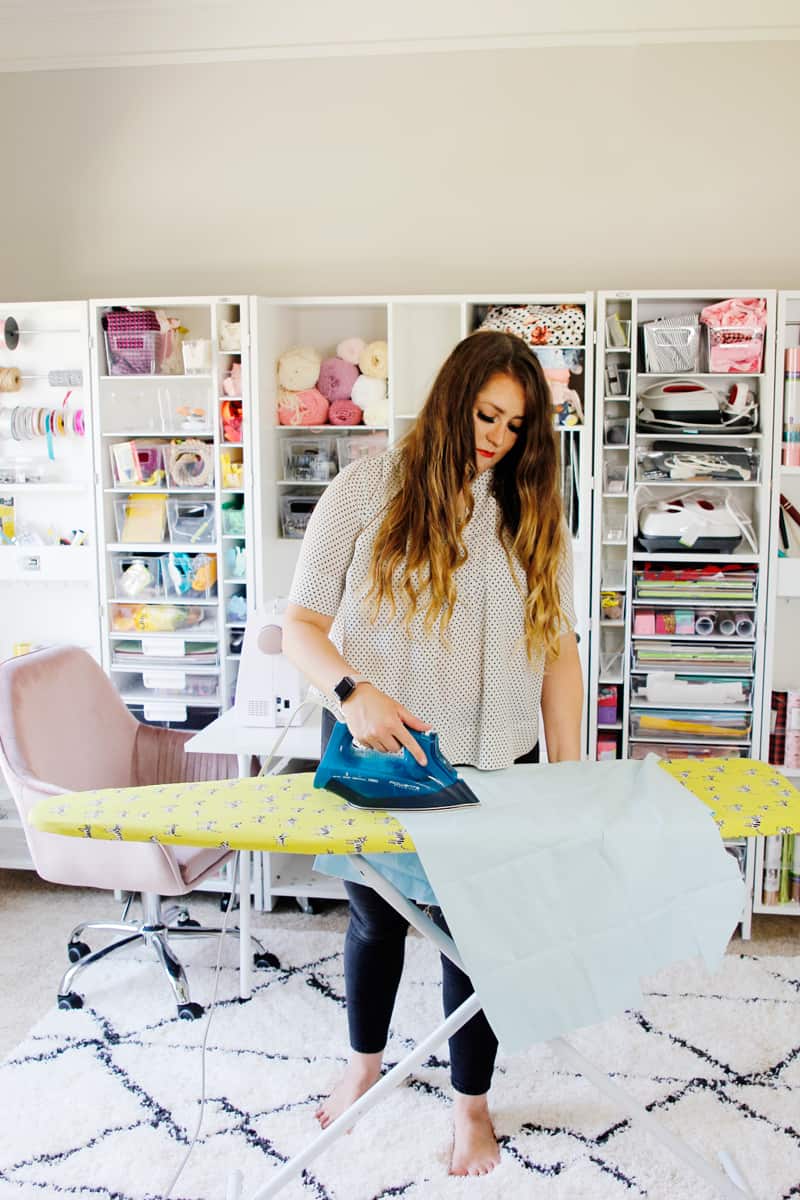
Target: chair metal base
x,y
155,929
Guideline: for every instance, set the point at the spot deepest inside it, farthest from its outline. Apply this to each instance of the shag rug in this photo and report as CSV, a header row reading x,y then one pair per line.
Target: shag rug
x,y
100,1102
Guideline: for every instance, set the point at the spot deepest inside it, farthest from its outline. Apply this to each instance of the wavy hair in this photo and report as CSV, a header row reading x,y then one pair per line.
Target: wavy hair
x,y
420,545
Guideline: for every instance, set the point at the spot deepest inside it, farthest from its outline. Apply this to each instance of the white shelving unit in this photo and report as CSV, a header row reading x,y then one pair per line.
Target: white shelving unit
x,y
622,485
45,584
421,331
172,627
782,657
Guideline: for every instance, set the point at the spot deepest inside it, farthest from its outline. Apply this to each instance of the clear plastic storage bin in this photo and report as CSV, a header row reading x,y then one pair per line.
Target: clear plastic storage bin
x,y
672,345
154,618
735,350
191,521
690,725
615,431
309,459
360,445
611,666
640,750
615,478
138,464
690,691
618,333
138,577
296,512
615,527
190,576
141,519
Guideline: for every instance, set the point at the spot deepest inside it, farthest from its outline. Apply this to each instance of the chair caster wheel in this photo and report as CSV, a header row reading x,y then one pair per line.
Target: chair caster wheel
x,y
76,951
184,921
264,961
70,1000
190,1011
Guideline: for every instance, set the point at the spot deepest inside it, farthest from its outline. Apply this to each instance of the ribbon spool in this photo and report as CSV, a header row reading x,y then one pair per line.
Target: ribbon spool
x,y
10,379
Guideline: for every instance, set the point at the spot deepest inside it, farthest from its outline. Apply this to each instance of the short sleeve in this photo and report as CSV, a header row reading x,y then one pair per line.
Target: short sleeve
x,y
566,586
329,540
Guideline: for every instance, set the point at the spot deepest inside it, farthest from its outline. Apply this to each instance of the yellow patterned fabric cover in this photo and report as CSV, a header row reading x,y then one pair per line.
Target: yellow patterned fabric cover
x,y
271,812
286,812
746,797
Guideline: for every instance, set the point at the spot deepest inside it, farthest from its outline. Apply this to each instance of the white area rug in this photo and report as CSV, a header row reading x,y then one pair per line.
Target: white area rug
x,y
98,1102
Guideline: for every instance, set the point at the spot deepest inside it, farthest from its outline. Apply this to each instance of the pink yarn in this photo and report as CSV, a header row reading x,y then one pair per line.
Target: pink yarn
x,y
302,408
345,412
336,378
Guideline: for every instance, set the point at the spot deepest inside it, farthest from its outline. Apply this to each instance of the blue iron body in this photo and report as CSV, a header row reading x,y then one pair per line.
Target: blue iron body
x,y
373,779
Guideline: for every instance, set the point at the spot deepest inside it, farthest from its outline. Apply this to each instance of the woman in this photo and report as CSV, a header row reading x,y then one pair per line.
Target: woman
x,y
442,572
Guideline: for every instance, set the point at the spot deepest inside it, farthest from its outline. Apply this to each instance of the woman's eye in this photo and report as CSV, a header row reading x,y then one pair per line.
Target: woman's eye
x,y
485,417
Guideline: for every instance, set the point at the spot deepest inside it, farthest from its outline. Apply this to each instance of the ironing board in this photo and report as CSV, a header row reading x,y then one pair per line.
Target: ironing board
x,y
285,813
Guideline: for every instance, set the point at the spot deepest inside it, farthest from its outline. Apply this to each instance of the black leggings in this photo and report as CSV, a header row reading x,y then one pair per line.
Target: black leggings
x,y
374,950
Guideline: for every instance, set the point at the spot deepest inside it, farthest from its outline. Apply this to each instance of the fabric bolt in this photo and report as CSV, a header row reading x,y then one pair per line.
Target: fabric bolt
x,y
478,689
336,379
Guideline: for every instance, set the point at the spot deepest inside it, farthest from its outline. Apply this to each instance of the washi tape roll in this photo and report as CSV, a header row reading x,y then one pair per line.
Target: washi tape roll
x,y
10,379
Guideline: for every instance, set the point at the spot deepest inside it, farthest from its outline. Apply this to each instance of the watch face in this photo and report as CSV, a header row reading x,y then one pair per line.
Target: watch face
x,y
344,688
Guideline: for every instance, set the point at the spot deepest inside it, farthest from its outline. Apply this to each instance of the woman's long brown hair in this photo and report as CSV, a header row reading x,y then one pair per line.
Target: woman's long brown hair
x,y
419,544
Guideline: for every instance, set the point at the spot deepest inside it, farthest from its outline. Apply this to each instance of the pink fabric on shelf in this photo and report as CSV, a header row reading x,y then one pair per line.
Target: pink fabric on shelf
x,y
302,408
336,379
735,335
345,412
232,384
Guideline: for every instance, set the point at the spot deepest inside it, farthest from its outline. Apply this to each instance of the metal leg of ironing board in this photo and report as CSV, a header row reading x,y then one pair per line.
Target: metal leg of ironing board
x,y
398,1073
245,952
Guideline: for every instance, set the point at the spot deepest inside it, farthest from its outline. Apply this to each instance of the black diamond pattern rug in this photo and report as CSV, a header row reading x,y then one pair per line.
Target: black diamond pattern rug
x,y
100,1103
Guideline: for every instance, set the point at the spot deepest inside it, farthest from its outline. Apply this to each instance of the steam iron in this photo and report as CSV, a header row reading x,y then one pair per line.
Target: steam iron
x,y
373,779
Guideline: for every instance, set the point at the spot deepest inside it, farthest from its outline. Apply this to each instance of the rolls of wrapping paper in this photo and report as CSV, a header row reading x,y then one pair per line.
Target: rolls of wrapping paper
x,y
777,730
785,887
791,756
10,379
704,623
744,625
794,870
773,846
791,408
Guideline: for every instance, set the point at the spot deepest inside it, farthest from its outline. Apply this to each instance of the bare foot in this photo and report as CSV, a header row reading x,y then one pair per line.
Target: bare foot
x,y
361,1072
475,1149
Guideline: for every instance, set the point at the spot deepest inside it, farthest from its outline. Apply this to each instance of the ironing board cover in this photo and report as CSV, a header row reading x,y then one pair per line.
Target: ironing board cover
x,y
286,812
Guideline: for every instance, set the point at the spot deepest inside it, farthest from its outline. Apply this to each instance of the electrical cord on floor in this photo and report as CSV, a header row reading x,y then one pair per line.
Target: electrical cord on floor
x,y
211,1010
270,758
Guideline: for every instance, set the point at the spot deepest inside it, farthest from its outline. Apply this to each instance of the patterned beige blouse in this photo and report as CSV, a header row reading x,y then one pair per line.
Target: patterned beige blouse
x,y
478,690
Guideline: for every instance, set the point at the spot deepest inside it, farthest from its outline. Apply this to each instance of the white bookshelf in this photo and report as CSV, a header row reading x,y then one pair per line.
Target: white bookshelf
x,y
169,671
46,586
421,331
616,560
782,651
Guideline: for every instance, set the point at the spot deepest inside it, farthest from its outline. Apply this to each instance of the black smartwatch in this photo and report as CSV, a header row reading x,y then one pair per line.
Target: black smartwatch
x,y
345,688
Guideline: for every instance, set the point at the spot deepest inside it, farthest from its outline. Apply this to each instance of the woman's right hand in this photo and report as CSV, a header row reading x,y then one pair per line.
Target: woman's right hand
x,y
379,722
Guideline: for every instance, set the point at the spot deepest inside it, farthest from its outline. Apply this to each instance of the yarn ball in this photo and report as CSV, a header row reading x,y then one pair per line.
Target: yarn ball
x,y
368,392
336,379
350,349
374,360
298,368
344,412
306,407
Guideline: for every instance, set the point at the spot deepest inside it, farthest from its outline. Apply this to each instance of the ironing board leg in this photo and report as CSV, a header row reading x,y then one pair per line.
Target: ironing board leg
x,y
722,1184
398,1073
245,950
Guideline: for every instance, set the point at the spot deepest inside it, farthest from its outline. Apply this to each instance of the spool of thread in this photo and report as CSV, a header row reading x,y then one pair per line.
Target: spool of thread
x,y
10,379
726,625
791,757
704,623
744,625
773,846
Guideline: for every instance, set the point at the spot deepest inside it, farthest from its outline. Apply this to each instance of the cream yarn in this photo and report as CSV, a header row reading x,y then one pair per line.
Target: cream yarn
x,y
351,349
298,368
370,395
374,360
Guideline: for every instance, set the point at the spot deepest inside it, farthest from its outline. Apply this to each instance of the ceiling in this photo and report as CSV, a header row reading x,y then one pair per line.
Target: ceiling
x,y
37,35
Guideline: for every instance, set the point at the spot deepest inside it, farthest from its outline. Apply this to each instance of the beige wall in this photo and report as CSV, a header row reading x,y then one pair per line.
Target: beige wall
x,y
659,166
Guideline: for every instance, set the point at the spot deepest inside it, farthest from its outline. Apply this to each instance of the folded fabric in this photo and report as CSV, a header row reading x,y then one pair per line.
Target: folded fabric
x,y
539,324
336,378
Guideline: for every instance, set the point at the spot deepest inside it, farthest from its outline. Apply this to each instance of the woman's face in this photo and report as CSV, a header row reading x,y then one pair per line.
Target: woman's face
x,y
498,415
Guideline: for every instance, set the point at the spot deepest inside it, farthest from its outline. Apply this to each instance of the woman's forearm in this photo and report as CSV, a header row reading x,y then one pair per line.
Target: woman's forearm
x,y
307,645
562,704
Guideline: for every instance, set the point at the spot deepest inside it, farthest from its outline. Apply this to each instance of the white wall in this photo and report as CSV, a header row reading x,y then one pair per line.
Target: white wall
x,y
660,165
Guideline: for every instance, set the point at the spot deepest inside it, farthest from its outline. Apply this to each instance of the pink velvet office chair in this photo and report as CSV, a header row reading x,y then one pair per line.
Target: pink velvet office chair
x,y
64,728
